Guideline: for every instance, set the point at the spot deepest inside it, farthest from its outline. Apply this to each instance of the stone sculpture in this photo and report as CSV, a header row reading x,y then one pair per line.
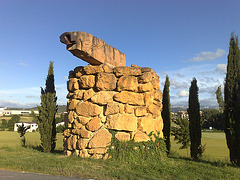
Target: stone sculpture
x,y
106,95
124,99
92,49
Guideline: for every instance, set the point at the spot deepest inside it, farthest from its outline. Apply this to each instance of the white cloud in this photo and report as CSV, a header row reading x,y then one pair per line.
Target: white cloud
x,y
183,93
208,56
222,68
22,64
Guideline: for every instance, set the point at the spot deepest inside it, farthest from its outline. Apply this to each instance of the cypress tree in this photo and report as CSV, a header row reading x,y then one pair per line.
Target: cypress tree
x,y
166,114
232,100
220,98
47,111
194,121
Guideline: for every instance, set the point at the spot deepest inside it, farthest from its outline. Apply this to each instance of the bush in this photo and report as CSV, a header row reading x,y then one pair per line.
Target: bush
x,y
137,152
60,129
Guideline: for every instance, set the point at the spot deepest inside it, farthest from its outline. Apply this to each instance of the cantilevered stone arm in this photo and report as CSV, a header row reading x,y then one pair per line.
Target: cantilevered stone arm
x,y
92,49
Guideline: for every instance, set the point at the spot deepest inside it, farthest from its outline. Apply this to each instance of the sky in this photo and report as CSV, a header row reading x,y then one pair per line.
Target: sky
x,y
181,39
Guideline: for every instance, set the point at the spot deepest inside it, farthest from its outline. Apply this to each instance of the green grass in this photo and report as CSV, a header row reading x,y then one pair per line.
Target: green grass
x,y
212,166
216,147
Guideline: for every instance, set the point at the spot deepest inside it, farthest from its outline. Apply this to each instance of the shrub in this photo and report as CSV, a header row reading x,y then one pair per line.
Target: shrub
x,y
137,152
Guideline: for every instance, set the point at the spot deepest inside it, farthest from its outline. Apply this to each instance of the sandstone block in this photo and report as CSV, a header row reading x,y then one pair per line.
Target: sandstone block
x,y
72,84
145,87
97,151
97,156
92,49
107,68
140,137
124,70
127,83
103,97
94,124
158,124
147,124
127,122
71,116
72,104
148,98
130,98
140,111
155,83
84,153
82,143
129,109
90,69
76,131
112,108
154,110
88,109
67,132
70,95
85,133
77,124
123,136
101,139
78,94
121,108
68,153
106,82
157,95
87,81
88,94
83,120
79,71
145,77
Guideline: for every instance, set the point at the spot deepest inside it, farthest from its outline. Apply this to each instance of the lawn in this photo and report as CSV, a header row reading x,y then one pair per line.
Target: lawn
x,y
212,166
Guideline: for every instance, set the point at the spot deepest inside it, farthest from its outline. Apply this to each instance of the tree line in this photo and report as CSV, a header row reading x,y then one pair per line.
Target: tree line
x,y
188,132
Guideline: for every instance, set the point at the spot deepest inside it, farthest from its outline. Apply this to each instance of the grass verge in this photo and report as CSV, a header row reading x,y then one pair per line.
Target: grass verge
x,y
173,167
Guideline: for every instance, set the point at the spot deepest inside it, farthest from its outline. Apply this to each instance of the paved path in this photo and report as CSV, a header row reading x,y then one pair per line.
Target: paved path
x,y
12,175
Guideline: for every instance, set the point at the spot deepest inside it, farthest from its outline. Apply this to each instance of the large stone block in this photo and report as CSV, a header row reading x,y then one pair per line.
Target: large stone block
x,y
127,83
106,82
88,109
94,124
72,84
112,108
101,139
90,69
123,136
140,136
92,49
129,98
127,122
87,81
103,97
129,71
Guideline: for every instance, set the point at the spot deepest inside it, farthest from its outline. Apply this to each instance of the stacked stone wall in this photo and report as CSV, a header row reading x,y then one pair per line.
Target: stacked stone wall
x,y
102,98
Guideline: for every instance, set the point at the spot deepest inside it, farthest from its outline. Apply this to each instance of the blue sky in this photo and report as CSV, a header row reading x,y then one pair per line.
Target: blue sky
x,y
183,39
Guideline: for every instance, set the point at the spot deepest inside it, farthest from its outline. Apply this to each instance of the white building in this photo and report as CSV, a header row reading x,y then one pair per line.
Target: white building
x,y
33,126
17,112
61,123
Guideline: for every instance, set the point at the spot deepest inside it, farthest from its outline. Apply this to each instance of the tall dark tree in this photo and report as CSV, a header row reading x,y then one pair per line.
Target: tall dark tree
x,y
166,114
232,100
47,111
194,121
219,97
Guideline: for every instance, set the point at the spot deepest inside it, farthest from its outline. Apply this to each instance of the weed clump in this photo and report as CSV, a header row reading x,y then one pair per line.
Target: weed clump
x,y
137,152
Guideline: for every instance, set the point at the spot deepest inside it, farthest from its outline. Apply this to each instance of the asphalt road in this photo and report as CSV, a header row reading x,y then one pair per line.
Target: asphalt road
x,y
13,175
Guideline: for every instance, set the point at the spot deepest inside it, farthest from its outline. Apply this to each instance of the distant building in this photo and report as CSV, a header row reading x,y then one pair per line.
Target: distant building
x,y
33,126
1,110
17,112
61,123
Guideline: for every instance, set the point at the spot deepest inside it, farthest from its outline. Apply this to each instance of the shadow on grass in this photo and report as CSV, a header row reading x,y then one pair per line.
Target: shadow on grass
x,y
216,163
40,149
